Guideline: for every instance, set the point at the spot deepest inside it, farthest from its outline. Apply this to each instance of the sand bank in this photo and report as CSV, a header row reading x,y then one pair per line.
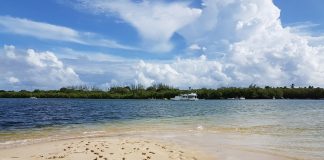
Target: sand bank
x,y
103,148
150,146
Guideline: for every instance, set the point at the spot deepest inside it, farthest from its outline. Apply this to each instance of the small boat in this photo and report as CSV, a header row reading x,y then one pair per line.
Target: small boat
x,y
33,97
186,97
242,98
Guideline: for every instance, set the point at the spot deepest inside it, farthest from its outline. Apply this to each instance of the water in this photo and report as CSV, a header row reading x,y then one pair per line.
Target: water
x,y
292,128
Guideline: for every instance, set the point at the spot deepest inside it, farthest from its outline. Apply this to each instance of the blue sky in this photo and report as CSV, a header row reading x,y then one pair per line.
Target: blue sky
x,y
301,11
181,43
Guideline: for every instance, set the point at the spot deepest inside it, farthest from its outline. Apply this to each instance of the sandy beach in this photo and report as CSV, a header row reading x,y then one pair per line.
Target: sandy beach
x,y
131,148
103,148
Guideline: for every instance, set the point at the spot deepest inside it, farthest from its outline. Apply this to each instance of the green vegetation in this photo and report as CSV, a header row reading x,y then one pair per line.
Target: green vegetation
x,y
161,91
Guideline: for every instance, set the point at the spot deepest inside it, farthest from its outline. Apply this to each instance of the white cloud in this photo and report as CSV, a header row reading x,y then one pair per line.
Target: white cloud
x,y
155,21
225,22
13,80
194,47
33,69
43,60
248,45
195,72
43,30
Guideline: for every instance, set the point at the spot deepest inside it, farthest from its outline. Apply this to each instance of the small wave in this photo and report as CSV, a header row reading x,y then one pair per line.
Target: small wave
x,y
13,143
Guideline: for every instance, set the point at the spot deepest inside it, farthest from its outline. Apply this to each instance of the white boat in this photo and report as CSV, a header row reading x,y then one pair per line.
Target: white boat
x,y
33,97
242,98
186,97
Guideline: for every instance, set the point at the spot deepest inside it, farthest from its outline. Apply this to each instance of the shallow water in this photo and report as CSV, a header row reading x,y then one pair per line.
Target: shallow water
x,y
293,128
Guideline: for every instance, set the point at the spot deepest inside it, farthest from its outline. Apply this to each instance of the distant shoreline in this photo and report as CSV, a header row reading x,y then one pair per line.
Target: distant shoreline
x,y
154,99
167,92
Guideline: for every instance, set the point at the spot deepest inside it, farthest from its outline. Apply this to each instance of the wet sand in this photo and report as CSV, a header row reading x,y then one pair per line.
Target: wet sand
x,y
103,148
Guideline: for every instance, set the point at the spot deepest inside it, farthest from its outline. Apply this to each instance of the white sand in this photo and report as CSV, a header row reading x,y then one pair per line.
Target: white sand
x,y
103,148
156,146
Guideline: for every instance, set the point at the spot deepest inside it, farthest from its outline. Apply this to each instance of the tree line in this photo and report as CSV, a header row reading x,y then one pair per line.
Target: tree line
x,y
163,91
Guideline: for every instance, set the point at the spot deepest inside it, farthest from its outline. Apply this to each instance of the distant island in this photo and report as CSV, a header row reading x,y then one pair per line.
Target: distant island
x,y
162,91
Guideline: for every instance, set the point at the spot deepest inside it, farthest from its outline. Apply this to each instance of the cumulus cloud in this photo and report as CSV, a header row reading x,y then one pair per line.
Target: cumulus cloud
x,y
43,30
246,43
195,72
155,21
31,69
225,22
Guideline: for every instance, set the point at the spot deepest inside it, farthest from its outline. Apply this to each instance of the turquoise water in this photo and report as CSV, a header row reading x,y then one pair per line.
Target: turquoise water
x,y
293,128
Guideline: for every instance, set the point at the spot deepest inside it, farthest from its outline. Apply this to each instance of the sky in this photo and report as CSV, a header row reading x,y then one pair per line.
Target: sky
x,y
183,43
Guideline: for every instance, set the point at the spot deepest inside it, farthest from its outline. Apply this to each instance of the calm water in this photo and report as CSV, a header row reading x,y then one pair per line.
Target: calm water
x,y
291,127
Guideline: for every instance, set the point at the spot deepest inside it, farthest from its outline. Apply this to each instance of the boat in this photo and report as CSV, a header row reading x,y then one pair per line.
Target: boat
x,y
33,97
186,97
242,98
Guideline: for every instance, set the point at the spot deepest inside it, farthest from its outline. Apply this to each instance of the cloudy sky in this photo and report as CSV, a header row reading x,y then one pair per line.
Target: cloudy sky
x,y
197,43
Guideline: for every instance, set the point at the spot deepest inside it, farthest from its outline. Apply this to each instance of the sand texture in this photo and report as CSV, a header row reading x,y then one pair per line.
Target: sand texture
x,y
104,148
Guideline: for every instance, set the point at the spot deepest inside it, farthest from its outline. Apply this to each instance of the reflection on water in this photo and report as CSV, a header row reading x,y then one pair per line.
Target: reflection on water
x,y
293,127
